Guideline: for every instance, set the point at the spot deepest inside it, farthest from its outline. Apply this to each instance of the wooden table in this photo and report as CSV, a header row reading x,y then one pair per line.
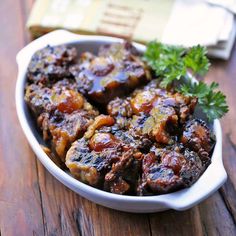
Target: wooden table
x,y
33,202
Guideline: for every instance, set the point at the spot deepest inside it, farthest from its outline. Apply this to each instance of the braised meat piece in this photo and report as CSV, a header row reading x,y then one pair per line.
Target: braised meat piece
x,y
169,169
155,125
104,160
51,64
38,98
138,142
120,109
151,96
198,137
86,166
114,72
64,128
62,114
161,120
41,99
154,112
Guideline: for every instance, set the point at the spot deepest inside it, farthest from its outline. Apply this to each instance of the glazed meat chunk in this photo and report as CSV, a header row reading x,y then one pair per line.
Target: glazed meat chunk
x,y
40,98
169,169
104,160
151,96
155,125
121,109
64,128
61,96
62,114
199,138
114,72
153,112
51,64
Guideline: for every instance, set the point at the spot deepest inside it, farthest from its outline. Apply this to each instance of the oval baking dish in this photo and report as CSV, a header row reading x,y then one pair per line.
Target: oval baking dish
x,y
211,180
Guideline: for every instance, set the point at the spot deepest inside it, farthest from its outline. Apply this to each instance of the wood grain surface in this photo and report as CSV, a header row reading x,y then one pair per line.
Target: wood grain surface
x,y
33,202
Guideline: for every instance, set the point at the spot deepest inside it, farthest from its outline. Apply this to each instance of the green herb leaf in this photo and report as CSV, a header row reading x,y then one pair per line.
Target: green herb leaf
x,y
166,61
152,53
212,103
199,90
196,60
171,64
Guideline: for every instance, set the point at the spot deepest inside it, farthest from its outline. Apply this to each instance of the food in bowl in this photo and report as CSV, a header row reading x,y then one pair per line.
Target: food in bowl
x,y
115,71
62,113
107,118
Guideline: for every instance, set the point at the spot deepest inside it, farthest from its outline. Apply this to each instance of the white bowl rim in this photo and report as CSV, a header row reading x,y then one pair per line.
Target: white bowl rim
x,y
179,200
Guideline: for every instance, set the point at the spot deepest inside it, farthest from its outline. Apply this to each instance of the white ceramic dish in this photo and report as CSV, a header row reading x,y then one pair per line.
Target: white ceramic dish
x,y
211,180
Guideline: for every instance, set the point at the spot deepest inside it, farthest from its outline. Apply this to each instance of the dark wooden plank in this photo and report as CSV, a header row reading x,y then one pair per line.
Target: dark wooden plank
x,y
224,74
20,206
208,218
176,223
228,191
215,217
120,223
58,205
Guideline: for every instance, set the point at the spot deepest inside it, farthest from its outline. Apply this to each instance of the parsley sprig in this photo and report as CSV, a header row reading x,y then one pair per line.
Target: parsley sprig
x,y
171,63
